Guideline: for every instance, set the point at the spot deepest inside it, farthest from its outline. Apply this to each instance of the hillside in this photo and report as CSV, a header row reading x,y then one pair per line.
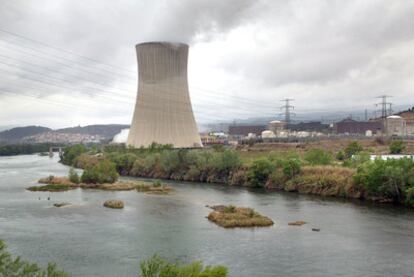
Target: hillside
x,y
108,131
38,134
16,134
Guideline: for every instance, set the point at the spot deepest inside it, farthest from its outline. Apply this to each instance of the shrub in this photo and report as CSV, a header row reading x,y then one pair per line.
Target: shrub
x,y
397,147
352,149
317,156
123,161
155,266
171,161
340,156
225,162
85,160
73,176
103,172
259,172
17,267
291,167
387,178
70,153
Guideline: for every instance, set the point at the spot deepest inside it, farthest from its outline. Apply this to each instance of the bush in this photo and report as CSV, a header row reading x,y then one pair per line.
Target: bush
x,y
352,149
73,176
70,153
123,161
397,147
291,167
226,161
340,156
16,267
387,178
318,156
103,172
259,172
156,266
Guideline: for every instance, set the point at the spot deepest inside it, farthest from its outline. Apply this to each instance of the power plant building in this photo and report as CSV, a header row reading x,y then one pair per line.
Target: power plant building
x,y
163,112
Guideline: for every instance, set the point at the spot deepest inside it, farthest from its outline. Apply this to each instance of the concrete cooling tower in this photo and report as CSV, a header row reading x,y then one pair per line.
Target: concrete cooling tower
x,y
163,112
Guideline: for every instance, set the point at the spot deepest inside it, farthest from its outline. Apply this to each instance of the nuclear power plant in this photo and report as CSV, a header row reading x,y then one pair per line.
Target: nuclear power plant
x,y
163,112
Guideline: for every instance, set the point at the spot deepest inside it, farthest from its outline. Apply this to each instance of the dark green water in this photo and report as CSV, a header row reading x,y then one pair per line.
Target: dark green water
x,y
87,239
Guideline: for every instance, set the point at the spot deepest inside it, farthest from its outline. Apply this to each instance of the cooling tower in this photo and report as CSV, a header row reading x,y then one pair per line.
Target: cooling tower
x,y
163,112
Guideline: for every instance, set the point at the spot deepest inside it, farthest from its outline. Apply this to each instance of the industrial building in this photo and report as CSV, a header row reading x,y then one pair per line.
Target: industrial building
x,y
353,127
245,130
163,112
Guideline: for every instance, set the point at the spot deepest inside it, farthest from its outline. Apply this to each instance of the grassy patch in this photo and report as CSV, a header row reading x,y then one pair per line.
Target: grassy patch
x,y
51,187
154,188
231,217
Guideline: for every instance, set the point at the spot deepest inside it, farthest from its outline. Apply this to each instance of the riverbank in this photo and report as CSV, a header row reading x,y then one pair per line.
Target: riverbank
x,y
349,173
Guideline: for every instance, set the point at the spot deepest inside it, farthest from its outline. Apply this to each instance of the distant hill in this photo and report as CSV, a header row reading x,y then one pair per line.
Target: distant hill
x,y
38,134
108,131
16,134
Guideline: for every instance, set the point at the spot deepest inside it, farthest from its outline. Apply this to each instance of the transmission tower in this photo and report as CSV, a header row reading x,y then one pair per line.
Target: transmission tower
x,y
386,107
287,107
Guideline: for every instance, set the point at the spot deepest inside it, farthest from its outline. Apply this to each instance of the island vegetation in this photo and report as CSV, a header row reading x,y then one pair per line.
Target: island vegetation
x,y
231,217
349,172
101,175
152,267
114,204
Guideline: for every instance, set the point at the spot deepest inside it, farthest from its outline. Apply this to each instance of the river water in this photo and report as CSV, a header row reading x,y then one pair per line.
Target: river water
x,y
86,239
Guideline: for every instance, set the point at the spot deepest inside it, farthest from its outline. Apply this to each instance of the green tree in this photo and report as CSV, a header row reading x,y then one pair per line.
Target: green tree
x,y
70,153
397,147
102,172
259,172
291,167
318,156
352,149
387,178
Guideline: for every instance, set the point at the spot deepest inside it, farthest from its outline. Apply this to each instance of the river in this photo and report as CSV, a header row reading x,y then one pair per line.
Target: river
x,y
86,239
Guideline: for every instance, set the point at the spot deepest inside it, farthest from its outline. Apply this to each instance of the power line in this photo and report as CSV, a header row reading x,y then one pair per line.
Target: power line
x,y
287,107
386,107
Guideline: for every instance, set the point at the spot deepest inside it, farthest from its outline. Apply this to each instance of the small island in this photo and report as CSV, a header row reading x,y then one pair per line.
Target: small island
x,y
59,184
102,176
232,217
114,204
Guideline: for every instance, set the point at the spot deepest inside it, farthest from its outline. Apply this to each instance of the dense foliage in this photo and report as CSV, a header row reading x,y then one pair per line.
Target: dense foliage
x,y
397,147
24,149
157,267
71,152
279,170
392,178
318,156
16,267
101,173
352,149
259,172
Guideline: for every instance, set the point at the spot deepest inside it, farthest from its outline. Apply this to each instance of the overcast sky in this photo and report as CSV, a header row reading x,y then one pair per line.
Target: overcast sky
x,y
65,62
